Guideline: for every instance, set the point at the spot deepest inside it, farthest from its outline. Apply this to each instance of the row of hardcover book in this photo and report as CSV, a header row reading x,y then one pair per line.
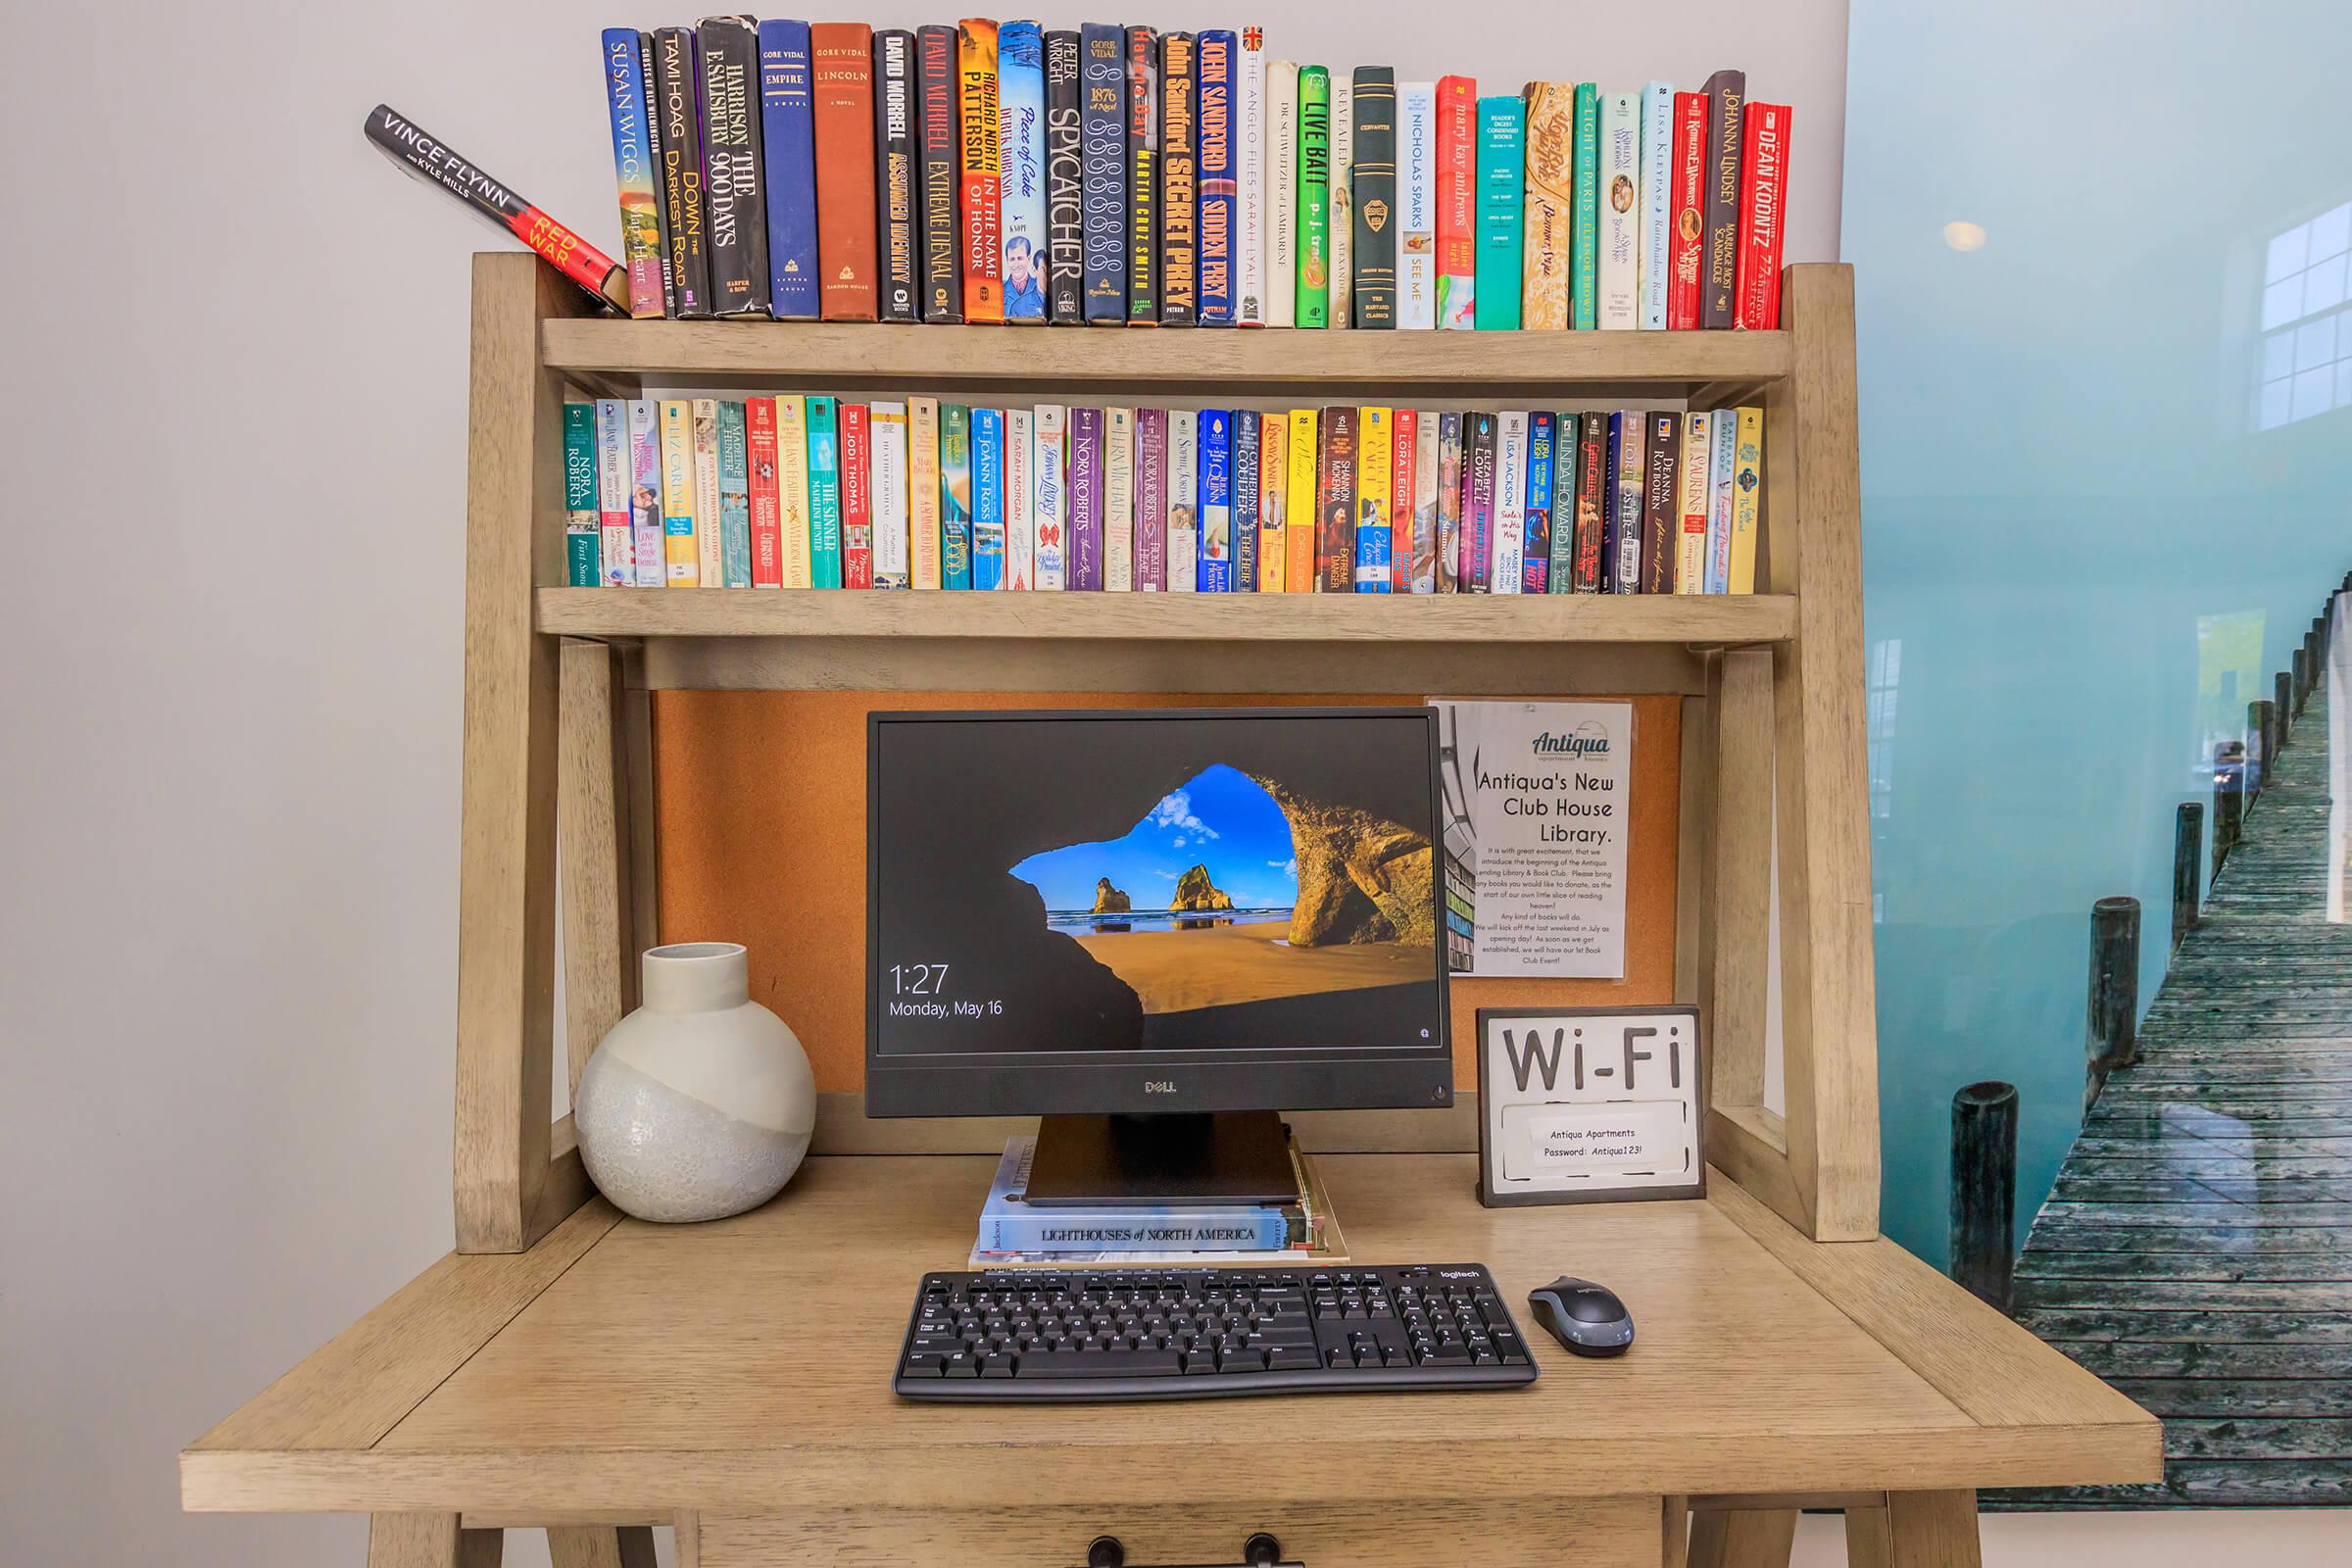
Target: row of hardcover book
x,y
814,492
1114,175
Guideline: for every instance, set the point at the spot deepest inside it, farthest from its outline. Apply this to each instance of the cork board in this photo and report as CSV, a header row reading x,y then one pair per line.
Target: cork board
x,y
760,832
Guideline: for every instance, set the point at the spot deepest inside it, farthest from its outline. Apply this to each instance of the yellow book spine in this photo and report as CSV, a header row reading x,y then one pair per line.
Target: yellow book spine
x,y
1273,484
1375,452
1747,495
1299,509
922,487
792,491
1551,201
1690,545
682,569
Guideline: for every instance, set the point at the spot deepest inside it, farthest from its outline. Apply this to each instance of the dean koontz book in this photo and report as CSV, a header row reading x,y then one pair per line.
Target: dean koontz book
x,y
792,492
1118,500
987,499
1550,216
1086,500
581,524
1763,201
824,493
734,497
900,276
788,148
1020,500
1501,190
1618,303
938,155
954,495
1373,176
633,169
677,493
1219,189
645,490
922,490
1375,476
1021,118
1216,500
616,564
889,492
1184,500
1052,507
735,202
1102,169
1143,176
981,207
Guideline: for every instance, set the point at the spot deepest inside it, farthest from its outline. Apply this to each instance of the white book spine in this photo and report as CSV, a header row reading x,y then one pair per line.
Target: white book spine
x,y
1657,202
886,462
1118,500
645,495
922,494
1725,438
1183,500
1249,160
1020,500
1620,284
616,545
1282,192
1695,481
709,553
1341,242
1417,239
1510,499
1052,521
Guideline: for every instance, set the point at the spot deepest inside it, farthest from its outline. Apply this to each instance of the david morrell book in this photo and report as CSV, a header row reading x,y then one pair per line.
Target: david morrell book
x,y
842,72
1102,169
1719,282
1312,294
787,138
1661,501
1249,169
679,120
1066,188
1179,182
1373,171
982,206
937,88
633,169
1688,211
1763,196
734,199
1551,205
436,164
1220,190
1416,196
1456,175
1022,118
1086,500
1143,177
1335,504
1216,501
900,278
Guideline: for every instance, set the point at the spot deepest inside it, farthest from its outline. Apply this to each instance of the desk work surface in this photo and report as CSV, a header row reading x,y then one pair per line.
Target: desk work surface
x,y
622,1370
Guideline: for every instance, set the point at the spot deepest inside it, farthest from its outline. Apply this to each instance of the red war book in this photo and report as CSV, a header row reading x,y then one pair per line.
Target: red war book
x,y
1404,428
1763,211
841,85
768,535
1688,195
1455,162
856,497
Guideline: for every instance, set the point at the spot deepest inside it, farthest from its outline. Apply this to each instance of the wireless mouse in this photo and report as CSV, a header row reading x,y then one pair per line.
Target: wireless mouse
x,y
1585,1317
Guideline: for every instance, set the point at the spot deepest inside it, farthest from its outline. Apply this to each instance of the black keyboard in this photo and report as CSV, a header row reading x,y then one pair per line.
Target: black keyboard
x,y
1010,1336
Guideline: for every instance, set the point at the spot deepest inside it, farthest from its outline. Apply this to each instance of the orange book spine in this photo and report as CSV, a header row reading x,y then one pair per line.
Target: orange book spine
x,y
982,178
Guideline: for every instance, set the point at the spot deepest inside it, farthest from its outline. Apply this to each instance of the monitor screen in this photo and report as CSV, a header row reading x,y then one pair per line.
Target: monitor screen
x,y
1061,904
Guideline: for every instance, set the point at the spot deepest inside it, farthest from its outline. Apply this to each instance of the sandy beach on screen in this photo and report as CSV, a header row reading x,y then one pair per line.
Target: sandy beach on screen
x,y
1175,971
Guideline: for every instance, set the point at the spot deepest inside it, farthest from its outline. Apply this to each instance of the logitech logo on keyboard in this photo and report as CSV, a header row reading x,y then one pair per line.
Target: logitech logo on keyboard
x,y
1458,1273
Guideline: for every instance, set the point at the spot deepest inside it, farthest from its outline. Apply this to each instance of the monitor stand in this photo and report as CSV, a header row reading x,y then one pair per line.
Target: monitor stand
x,y
1240,1157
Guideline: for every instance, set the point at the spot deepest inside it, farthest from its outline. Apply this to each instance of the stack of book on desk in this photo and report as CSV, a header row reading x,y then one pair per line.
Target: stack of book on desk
x,y
1220,1234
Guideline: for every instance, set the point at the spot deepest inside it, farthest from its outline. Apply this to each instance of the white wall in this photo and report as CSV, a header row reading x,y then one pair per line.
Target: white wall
x,y
229,772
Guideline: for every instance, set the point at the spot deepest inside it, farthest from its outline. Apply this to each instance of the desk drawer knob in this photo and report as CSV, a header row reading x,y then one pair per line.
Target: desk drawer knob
x,y
1104,1551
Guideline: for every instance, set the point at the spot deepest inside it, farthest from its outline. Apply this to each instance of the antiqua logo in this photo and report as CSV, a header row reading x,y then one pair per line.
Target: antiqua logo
x,y
1590,740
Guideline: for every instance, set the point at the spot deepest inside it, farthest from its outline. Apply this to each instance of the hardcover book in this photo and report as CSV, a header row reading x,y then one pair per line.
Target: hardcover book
x,y
1687,197
1502,186
1719,282
899,277
1143,177
1020,500
987,499
1657,202
1311,304
710,547
1150,500
1567,457
856,498
982,205
1021,121
1594,481
939,155
924,541
794,536
1427,468
645,491
1102,169
1065,180
1118,500
1335,504
1721,440
1763,197
1417,203
1622,536
1661,501
1216,575
788,143
892,568
1250,203
1219,189
1695,468
734,498
1550,216
1008,1226
1583,264
759,453
1282,194
1479,456
1246,487
1273,502
1374,175
842,75
824,493
1375,473
616,565
677,493
1535,555
1618,303
678,115
1184,500
734,200
1053,510
633,171
954,495
1448,566
1341,203
1455,166
1179,182
1508,572
1300,495
581,519
1747,494
1086,500
1405,433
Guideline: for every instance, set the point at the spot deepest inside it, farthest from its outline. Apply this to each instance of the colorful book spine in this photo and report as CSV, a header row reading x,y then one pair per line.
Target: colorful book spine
x,y
1508,573
1501,192
1661,501
924,541
1102,169
1427,468
1216,499
633,171
954,495
710,543
1719,281
938,168
1535,555
1404,444
1341,204
1249,173
1178,181
788,136
1694,469
842,92
1594,480
1417,206
1618,297
734,498
678,116
898,275
735,199
582,523
1311,304
1657,202
1376,434
1022,139
1143,176
760,452
1479,455
1456,166
1448,566
1625,536
1687,197
1282,194
1065,183
1567,455
1747,495
1301,497
856,497
1763,197
1020,500
892,568
1184,500
824,493
1086,500
1335,504
1052,510
1219,189
1722,438
1246,491
987,499
1551,216
981,204
1273,503
1373,176
677,493
645,491
1584,265
793,537
1150,500
1118,500
617,550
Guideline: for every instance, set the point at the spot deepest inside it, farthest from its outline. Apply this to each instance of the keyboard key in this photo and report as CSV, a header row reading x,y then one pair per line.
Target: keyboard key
x,y
997,1366
1107,1364
921,1366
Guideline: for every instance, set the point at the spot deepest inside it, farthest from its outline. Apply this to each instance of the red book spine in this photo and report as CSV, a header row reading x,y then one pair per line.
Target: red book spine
x,y
1763,209
842,83
1689,196
1456,161
856,498
1404,426
767,538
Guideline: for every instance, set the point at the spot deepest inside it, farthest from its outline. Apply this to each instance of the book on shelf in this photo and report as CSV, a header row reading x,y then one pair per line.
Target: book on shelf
x,y
1215,574
824,493
1335,528
939,153
1507,573
842,92
1311,301
677,493
987,499
1022,118
580,520
795,539
1179,181
616,566
645,493
1479,457
1694,469
1020,500
734,498
1584,261
1273,502
1102,169
1053,509
1727,97
1301,496
765,527
1404,435
1086,500
925,544
1501,197
1661,506
735,201
1373,179
954,496
1218,190
1281,256
981,184
1013,1230
1247,487
710,552
1118,500
889,491
1763,193
1446,569
1688,202
1623,540
1143,177
1534,558
677,112
1455,172
1617,296
1549,205
856,497
1747,464
1340,204
1375,473
1065,183
1592,481
1184,500
1428,471
1416,206
1657,202
1250,174
788,133
1151,501
628,100
1722,441
897,193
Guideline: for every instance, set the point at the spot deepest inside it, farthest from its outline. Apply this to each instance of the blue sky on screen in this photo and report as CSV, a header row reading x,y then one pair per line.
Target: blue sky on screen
x,y
1219,819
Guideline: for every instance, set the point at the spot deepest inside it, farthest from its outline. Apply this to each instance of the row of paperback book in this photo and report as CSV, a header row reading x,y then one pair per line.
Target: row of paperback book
x,y
1110,174
814,492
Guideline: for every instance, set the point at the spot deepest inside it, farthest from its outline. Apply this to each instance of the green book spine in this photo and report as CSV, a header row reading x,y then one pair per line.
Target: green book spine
x,y
734,498
954,495
1313,306
1502,176
1584,265
824,493
582,522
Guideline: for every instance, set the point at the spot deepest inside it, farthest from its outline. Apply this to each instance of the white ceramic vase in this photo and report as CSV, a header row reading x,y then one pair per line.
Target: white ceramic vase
x,y
700,1104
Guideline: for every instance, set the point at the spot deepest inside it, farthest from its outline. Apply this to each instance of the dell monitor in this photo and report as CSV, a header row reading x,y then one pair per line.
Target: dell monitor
x,y
1155,929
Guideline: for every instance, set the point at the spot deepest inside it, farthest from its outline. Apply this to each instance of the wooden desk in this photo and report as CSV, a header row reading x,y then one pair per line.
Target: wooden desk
x,y
734,1378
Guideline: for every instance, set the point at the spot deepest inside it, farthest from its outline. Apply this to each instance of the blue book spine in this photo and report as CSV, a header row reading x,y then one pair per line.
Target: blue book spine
x,y
824,493
1133,1230
1102,169
633,169
1022,118
734,498
1657,202
1220,184
1246,520
1534,563
1216,501
788,130
988,498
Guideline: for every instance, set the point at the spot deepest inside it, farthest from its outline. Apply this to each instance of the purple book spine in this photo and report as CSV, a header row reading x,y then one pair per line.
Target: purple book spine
x,y
1151,500
1086,500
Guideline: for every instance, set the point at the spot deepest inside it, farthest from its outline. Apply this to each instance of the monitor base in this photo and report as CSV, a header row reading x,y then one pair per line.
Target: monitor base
x,y
1240,1157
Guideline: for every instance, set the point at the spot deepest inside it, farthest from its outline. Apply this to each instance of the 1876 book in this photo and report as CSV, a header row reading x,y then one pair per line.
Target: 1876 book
x,y
1102,169
1373,171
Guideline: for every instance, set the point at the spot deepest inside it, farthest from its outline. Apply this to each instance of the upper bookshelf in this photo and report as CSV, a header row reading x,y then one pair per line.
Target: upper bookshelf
x,y
1700,366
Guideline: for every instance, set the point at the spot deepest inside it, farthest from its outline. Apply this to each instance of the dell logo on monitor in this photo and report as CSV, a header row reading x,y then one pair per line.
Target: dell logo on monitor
x,y
1159,1086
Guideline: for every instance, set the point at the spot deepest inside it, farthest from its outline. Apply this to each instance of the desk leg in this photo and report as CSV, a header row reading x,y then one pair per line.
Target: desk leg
x,y
1743,1537
1930,1530
430,1540
600,1546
